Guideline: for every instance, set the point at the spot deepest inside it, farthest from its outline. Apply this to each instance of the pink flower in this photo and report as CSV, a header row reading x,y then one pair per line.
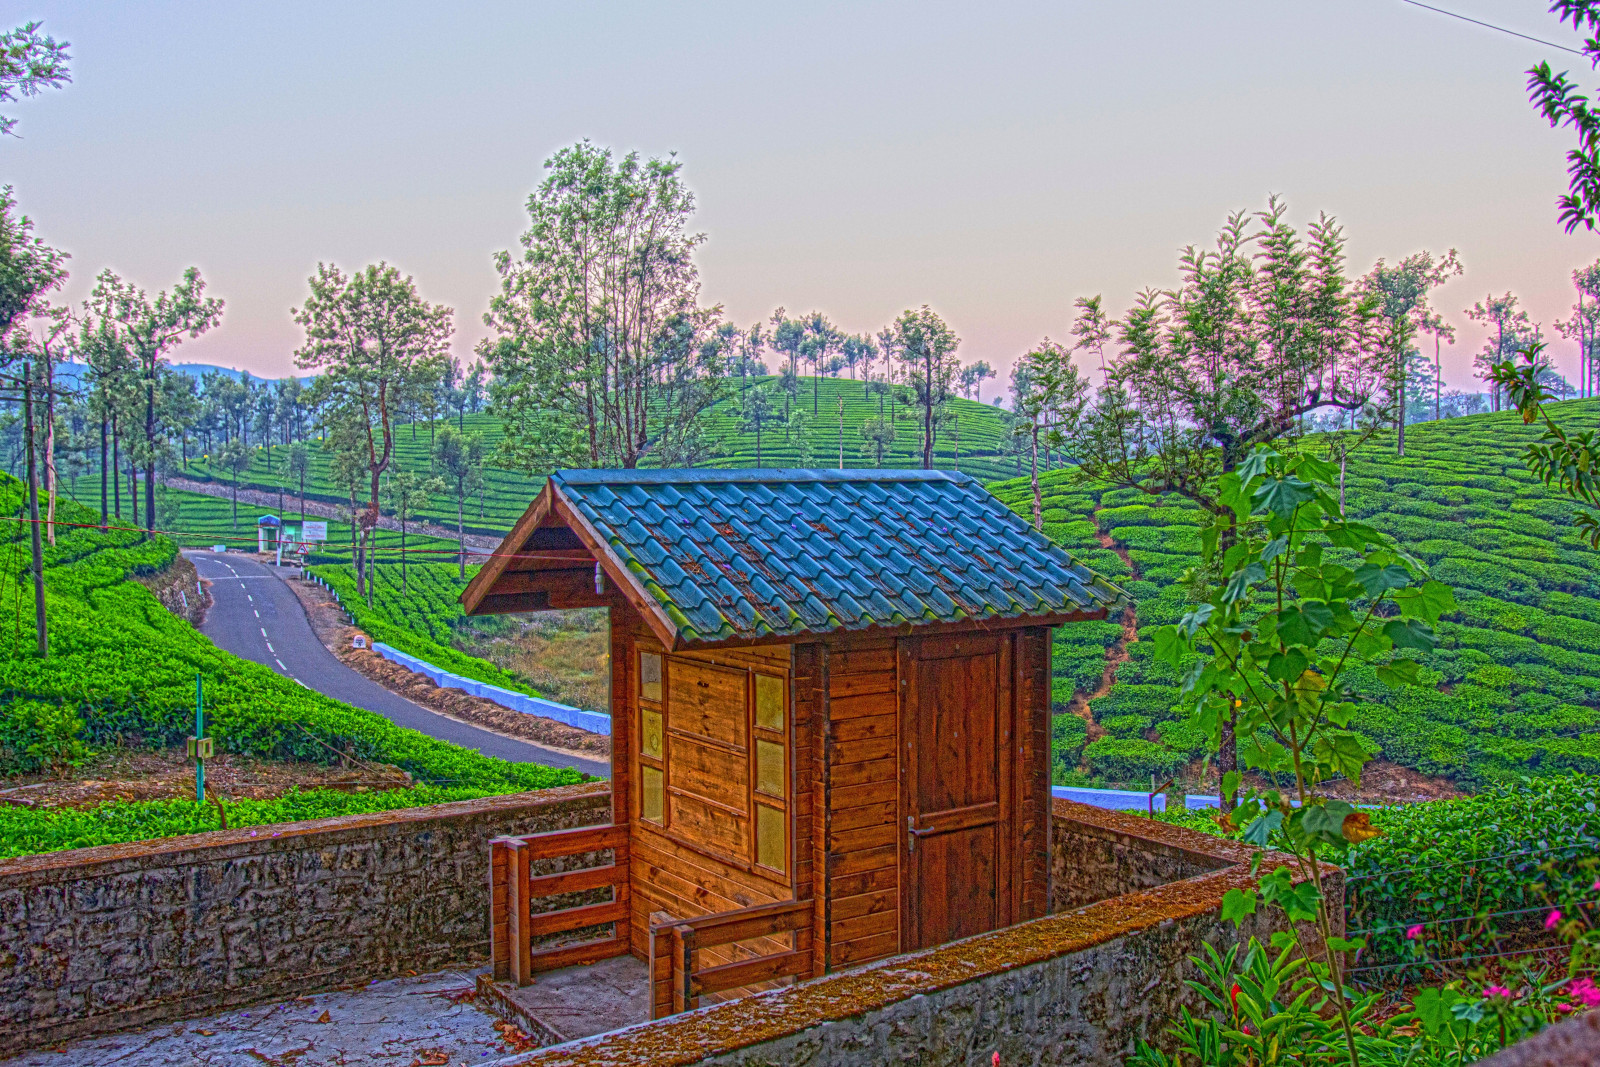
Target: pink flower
x,y
996,1060
1565,1008
1585,992
1413,932
1553,919
1498,991
1596,886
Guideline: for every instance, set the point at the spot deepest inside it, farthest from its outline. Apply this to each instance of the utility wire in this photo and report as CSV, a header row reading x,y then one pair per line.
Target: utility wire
x,y
1492,26
1465,862
1454,959
1406,924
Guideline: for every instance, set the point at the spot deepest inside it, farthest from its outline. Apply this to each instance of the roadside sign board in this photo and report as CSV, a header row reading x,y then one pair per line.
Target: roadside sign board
x,y
314,531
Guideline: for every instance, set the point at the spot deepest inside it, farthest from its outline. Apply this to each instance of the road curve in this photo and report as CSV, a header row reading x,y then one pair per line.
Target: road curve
x,y
257,617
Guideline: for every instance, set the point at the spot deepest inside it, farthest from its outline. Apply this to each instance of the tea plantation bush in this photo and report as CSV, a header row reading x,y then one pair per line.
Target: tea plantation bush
x,y
1131,759
24,832
1467,871
125,666
1516,679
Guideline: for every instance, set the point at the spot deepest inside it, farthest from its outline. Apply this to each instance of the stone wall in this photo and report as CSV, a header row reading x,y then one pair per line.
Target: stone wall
x,y
103,938
1097,854
1080,987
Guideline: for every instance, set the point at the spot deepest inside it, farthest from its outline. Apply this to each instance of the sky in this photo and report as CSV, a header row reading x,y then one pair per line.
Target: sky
x,y
994,161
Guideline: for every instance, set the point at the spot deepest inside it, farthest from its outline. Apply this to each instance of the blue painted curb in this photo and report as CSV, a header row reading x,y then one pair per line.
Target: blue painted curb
x,y
1114,799
592,721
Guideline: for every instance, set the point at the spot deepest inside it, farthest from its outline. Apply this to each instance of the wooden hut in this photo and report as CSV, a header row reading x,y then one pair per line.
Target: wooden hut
x,y
830,710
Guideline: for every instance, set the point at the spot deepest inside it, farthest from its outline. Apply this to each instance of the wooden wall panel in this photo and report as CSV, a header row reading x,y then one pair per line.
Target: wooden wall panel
x,y
860,832
810,667
708,800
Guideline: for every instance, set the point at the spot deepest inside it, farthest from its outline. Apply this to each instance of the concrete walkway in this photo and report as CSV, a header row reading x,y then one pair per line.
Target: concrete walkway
x,y
428,1020
256,617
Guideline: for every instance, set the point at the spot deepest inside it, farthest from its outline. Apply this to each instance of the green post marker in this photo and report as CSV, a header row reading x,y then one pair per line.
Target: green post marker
x,y
198,746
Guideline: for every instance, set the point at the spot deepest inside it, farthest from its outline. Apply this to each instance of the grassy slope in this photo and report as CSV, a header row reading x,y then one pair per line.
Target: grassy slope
x,y
507,493
1518,675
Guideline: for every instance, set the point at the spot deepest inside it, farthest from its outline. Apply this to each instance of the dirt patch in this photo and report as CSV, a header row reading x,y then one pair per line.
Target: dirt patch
x,y
168,774
1387,783
180,590
1117,654
332,627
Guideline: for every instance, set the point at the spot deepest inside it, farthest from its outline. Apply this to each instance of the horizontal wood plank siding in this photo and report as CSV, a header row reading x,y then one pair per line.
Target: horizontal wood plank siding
x,y
860,827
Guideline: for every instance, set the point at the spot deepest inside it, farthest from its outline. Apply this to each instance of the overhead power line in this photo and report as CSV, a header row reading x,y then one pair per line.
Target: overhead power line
x,y
1492,26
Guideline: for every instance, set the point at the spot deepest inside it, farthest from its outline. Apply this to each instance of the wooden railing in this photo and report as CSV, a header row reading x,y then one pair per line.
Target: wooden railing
x,y
513,890
678,979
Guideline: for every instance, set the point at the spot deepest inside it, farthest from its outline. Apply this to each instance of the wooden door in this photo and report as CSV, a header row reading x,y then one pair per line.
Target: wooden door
x,y
957,782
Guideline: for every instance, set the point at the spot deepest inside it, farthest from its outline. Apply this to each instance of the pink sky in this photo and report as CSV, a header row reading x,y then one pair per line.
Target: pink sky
x,y
856,158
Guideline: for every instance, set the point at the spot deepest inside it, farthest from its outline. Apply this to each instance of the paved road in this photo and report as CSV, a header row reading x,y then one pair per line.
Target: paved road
x,y
258,617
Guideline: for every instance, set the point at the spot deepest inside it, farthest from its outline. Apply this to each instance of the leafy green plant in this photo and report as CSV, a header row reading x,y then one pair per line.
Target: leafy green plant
x,y
1296,594
1268,1006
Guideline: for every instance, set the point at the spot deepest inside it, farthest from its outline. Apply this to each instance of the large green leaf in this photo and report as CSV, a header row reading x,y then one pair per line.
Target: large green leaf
x,y
1377,580
1282,495
1303,623
1411,633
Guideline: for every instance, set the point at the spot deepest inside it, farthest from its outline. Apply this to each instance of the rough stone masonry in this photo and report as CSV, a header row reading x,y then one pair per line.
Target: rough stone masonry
x,y
116,936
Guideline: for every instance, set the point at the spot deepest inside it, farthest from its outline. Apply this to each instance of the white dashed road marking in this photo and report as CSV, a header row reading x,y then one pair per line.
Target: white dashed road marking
x,y
258,614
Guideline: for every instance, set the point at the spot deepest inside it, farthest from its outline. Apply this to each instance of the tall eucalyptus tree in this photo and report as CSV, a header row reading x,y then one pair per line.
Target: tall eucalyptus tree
x,y
592,311
147,329
377,343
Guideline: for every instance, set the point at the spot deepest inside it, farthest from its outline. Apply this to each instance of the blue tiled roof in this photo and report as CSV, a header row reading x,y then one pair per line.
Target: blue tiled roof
x,y
743,554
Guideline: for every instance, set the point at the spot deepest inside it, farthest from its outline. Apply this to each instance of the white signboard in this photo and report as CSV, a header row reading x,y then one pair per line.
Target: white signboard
x,y
314,531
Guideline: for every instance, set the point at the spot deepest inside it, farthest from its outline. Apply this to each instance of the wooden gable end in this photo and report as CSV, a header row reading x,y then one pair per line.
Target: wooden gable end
x,y
551,560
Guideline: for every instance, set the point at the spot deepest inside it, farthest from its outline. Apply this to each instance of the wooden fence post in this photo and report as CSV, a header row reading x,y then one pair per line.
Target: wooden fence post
x,y
683,998
518,913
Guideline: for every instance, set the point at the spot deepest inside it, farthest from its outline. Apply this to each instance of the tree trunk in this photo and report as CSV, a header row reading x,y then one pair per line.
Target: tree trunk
x,y
116,469
1033,466
1227,746
105,513
461,536
33,514
1438,378
1400,419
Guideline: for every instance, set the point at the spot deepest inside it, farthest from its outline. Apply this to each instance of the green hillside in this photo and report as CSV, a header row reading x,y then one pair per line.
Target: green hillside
x,y
507,493
1516,679
122,670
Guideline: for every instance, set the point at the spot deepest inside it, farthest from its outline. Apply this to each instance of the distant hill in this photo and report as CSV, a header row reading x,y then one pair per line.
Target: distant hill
x,y
74,371
507,493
